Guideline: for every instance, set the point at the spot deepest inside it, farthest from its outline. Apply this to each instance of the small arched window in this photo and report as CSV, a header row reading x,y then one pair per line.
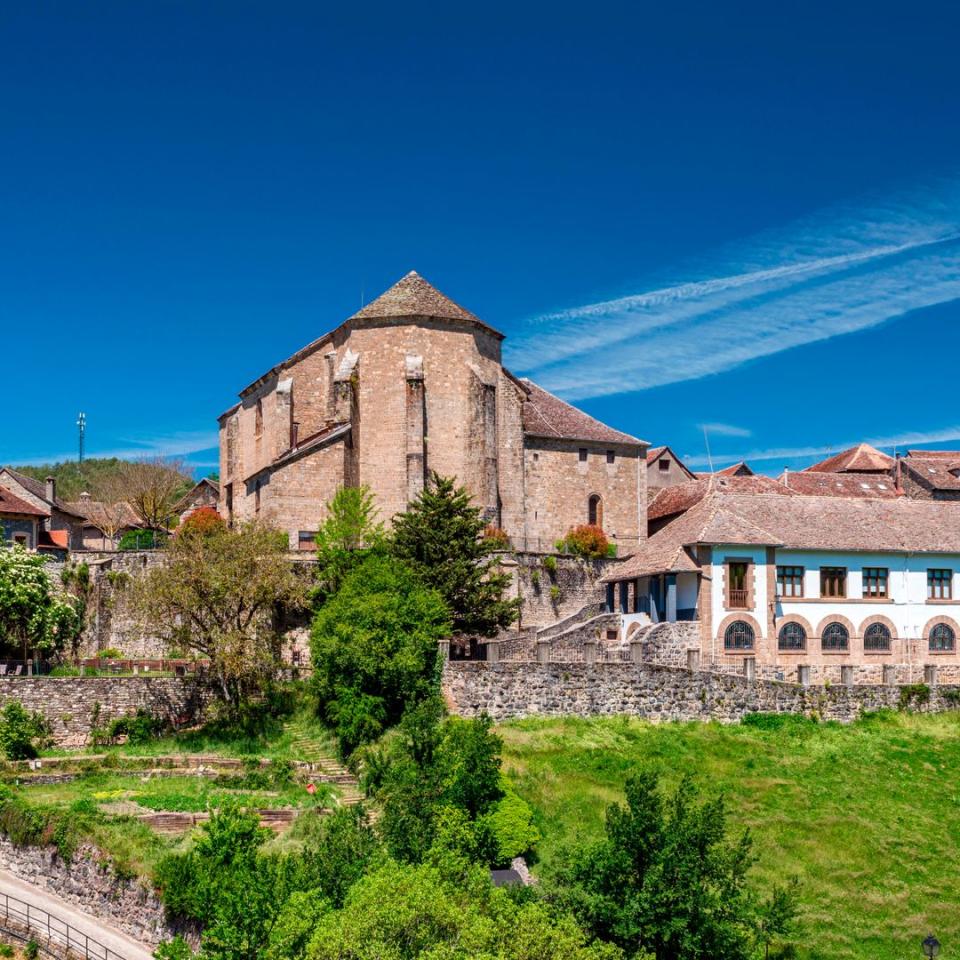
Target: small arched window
x,y
258,419
877,637
792,636
595,511
942,638
738,636
835,636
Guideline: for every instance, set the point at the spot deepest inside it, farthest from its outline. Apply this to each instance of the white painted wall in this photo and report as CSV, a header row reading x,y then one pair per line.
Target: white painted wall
x,y
758,555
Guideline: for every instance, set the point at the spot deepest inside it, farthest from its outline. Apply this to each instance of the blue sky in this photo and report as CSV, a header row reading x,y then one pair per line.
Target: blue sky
x,y
741,215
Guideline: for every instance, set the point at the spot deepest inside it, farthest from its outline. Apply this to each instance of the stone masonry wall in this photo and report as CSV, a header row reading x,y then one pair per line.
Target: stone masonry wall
x,y
73,705
509,689
93,887
667,643
577,582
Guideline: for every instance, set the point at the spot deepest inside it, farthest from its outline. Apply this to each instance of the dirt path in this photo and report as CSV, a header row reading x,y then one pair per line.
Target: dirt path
x,y
95,928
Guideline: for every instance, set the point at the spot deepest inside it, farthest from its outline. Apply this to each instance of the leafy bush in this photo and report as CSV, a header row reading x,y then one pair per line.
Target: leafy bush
x,y
914,694
587,541
550,564
110,653
141,540
510,822
21,733
139,727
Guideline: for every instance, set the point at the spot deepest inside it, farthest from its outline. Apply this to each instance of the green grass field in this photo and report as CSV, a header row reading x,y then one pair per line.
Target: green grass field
x,y
867,816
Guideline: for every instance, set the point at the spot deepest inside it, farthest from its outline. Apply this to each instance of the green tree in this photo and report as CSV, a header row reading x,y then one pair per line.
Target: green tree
x,y
32,614
666,879
432,765
217,594
405,912
347,537
374,648
441,536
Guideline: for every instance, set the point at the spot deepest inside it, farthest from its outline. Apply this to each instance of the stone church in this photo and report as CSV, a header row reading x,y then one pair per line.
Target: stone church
x,y
414,383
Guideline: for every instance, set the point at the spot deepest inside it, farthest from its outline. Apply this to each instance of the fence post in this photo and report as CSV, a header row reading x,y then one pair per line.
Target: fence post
x,y
803,672
750,668
889,674
636,650
543,651
590,651
930,674
443,649
493,652
846,675
693,660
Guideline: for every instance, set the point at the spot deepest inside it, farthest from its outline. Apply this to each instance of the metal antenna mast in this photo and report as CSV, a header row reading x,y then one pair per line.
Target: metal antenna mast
x,y
81,429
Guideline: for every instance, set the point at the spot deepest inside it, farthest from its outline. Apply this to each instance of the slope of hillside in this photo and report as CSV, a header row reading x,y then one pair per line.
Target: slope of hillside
x,y
75,478
867,815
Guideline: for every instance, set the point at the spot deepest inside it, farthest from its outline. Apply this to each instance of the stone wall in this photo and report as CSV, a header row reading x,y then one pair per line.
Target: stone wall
x,y
509,689
577,584
73,705
667,643
92,886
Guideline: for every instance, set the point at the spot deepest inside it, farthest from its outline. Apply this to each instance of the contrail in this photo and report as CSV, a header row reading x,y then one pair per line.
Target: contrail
x,y
837,272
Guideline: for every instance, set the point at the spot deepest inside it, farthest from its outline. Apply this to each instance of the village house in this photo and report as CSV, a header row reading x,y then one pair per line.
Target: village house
x,y
665,469
930,474
20,521
64,524
413,383
205,493
793,581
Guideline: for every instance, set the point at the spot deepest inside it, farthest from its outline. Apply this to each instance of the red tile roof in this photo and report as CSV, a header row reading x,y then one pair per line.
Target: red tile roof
x,y
545,415
850,524
682,496
839,484
859,459
54,539
11,503
936,469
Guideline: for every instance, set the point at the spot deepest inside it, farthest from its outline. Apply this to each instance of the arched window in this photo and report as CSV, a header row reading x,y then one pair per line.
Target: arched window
x,y
835,636
942,637
258,419
877,637
792,636
595,511
738,636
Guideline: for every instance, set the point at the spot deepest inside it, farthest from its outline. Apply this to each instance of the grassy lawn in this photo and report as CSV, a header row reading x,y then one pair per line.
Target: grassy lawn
x,y
866,815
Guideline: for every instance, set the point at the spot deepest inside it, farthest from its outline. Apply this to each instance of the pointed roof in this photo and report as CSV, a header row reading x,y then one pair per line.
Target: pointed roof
x,y
859,459
545,415
412,296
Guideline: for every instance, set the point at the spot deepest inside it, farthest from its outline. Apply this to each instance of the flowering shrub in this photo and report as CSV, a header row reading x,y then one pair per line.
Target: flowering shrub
x,y
496,537
202,521
586,541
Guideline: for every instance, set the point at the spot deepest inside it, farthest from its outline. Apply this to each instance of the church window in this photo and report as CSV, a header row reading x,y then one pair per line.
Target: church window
x,y
595,511
258,419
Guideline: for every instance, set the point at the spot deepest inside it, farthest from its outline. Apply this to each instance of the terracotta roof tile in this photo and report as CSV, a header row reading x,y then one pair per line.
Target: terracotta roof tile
x,y
682,496
11,503
859,459
545,415
839,484
938,470
54,539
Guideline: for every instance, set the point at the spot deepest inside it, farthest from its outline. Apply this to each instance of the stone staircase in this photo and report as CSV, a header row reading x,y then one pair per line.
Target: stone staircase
x,y
324,767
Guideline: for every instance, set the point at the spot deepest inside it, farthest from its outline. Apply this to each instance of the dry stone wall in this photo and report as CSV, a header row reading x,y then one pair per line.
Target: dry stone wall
x,y
549,596
74,705
507,690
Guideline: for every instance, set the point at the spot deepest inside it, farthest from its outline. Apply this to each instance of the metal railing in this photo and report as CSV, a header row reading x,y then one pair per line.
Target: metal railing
x,y
25,922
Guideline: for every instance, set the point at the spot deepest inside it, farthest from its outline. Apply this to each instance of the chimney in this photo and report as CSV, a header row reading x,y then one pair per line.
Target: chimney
x,y
294,434
50,491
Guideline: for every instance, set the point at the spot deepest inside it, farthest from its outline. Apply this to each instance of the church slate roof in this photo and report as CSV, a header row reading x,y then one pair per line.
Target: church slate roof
x,y
859,459
412,296
545,415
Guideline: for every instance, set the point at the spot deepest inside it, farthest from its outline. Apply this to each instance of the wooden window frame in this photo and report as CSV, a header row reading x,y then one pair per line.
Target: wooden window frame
x,y
582,454
795,579
747,590
878,575
823,580
945,583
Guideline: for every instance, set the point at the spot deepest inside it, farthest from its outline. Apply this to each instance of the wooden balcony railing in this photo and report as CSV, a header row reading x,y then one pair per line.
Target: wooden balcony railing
x,y
737,600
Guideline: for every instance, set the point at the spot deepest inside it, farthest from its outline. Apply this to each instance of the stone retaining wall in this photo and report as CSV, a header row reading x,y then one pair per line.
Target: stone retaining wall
x,y
93,887
551,596
509,689
74,705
